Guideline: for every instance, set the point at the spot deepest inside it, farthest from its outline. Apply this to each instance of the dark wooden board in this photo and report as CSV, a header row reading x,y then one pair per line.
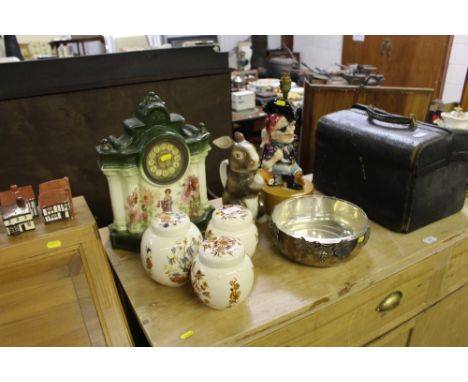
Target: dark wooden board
x,y
31,78
54,135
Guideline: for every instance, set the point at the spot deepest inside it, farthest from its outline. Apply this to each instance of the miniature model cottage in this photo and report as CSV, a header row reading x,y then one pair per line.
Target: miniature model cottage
x,y
18,206
17,217
55,200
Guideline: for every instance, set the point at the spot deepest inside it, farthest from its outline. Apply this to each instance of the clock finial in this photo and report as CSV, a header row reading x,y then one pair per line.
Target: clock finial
x,y
151,97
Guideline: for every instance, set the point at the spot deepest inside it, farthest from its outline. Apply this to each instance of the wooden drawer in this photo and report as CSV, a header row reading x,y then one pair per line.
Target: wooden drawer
x,y
355,321
457,269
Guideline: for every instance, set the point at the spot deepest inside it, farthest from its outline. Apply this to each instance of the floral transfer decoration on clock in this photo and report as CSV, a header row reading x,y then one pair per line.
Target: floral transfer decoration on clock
x,y
139,206
189,197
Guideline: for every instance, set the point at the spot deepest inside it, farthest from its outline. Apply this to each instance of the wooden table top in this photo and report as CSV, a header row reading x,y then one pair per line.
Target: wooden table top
x,y
283,291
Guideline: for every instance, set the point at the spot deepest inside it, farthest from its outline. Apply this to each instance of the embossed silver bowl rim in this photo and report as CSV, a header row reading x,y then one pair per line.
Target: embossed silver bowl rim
x,y
291,215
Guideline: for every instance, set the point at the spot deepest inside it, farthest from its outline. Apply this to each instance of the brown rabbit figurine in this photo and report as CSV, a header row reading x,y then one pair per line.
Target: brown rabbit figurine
x,y
240,174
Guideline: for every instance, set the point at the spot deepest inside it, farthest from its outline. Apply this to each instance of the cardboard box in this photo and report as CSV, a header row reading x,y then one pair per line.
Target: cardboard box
x,y
243,100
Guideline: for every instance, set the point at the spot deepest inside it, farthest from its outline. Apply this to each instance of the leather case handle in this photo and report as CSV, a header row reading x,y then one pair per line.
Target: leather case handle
x,y
383,116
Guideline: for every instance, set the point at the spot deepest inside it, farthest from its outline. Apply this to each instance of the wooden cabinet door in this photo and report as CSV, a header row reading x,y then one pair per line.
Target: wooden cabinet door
x,y
371,51
444,324
46,301
56,287
410,61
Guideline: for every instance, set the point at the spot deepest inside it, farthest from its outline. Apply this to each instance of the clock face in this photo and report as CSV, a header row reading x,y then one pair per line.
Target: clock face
x,y
165,161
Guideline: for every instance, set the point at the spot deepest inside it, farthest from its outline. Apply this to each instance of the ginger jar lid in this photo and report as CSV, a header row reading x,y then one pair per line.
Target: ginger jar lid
x,y
221,252
231,217
170,224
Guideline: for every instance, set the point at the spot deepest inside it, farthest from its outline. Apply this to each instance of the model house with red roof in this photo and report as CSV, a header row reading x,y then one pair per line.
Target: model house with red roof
x,y
55,200
18,208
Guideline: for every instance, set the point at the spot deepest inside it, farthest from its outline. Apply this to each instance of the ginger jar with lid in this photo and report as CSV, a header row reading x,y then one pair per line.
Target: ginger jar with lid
x,y
234,221
168,246
222,274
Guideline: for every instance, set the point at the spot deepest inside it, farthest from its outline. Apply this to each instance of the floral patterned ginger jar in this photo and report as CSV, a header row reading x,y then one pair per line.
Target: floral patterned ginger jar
x,y
222,274
234,221
168,246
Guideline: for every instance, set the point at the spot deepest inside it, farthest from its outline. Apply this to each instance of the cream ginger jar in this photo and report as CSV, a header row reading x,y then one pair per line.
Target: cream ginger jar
x,y
234,221
168,246
222,274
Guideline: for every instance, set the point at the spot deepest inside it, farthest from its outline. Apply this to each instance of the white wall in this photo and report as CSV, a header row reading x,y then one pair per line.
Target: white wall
x,y
321,51
39,38
2,47
274,41
458,64
228,42
91,47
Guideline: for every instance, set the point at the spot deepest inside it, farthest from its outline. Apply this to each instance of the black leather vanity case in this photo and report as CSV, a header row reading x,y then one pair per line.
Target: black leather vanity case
x,y
404,174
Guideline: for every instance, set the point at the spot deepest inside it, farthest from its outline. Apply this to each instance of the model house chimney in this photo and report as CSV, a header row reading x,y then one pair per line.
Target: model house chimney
x,y
20,202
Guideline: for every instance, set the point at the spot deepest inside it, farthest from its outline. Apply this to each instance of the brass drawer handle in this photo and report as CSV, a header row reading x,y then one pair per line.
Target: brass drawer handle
x,y
390,302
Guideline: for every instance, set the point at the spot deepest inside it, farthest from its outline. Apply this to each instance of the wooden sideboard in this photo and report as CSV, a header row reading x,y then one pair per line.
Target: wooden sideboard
x,y
320,100
296,305
57,287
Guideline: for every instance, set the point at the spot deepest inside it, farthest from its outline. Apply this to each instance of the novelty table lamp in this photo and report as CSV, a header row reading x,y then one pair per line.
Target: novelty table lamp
x,y
157,165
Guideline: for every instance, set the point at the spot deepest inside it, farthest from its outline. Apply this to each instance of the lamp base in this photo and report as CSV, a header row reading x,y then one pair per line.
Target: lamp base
x,y
276,194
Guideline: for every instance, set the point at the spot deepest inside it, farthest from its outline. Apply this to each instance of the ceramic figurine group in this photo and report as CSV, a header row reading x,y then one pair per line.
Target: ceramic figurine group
x,y
157,184
220,268
244,175
18,205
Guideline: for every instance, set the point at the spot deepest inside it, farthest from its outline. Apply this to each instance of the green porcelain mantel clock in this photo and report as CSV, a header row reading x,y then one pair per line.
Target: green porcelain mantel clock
x,y
157,165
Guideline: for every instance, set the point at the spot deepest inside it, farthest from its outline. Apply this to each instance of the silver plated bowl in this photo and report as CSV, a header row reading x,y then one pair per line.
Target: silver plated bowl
x,y
320,231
